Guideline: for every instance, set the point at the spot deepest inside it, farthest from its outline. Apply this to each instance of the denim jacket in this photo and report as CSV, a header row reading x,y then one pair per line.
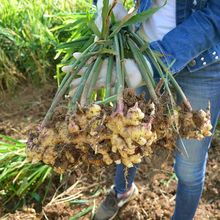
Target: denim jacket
x,y
195,42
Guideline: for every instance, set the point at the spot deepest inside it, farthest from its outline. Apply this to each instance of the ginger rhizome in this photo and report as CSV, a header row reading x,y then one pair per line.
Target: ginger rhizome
x,y
99,135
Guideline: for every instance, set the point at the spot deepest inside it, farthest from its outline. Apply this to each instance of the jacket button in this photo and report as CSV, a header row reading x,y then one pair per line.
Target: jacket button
x,y
192,63
204,63
202,58
214,53
216,57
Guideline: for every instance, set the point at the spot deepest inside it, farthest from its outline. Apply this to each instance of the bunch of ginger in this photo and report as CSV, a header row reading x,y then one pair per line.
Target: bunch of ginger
x,y
101,135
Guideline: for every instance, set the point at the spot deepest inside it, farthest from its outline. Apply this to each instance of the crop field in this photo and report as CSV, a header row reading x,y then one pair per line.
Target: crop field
x,y
65,123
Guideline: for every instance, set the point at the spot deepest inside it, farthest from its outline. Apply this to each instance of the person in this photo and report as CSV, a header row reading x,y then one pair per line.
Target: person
x,y
187,31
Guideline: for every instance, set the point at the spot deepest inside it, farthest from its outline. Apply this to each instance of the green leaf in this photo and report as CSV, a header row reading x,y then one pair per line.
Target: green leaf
x,y
107,51
107,100
109,76
143,16
117,27
36,196
94,28
10,139
79,201
82,213
105,11
74,43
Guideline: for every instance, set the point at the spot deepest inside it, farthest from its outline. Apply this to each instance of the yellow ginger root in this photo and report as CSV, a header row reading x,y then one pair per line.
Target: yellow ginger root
x,y
119,121
49,155
129,132
106,157
136,158
147,152
127,162
62,130
117,143
116,123
123,153
93,111
138,134
95,134
152,139
48,136
82,119
35,155
130,151
206,126
94,127
72,127
196,124
134,115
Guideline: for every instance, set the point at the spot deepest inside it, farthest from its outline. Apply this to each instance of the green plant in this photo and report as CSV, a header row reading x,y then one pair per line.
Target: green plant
x,y
19,178
75,35
26,39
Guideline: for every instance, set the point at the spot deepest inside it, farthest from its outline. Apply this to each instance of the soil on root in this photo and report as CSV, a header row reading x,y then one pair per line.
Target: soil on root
x,y
155,179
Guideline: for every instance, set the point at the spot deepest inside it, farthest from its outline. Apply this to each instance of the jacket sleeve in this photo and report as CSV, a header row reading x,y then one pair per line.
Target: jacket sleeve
x,y
196,34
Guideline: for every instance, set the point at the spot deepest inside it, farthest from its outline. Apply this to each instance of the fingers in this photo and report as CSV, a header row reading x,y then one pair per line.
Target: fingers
x,y
103,69
133,76
75,82
73,86
67,69
119,11
101,81
77,55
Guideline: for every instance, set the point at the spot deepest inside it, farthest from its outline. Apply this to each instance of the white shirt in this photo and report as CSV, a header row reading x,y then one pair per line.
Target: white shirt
x,y
162,21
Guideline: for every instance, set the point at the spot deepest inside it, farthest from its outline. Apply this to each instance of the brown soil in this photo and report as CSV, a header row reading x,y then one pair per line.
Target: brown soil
x,y
154,179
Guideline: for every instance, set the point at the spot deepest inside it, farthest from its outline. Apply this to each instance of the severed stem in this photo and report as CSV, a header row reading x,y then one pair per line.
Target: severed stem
x,y
176,86
90,48
66,82
137,56
109,77
92,79
80,88
119,77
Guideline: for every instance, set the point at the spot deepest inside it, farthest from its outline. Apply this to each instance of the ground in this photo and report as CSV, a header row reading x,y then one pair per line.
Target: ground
x,y
86,186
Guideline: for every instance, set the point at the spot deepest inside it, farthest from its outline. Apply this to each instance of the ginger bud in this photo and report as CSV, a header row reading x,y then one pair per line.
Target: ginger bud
x,y
93,111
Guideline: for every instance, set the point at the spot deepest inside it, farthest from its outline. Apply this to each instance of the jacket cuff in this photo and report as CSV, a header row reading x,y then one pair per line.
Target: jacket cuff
x,y
166,58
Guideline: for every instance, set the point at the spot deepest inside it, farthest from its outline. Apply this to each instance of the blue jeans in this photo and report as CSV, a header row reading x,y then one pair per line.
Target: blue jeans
x,y
200,87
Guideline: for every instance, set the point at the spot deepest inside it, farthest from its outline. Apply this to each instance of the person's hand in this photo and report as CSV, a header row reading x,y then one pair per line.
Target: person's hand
x,y
118,10
101,78
69,68
133,76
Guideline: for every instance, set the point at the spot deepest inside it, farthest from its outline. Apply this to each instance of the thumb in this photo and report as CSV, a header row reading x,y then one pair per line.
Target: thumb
x,y
77,55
